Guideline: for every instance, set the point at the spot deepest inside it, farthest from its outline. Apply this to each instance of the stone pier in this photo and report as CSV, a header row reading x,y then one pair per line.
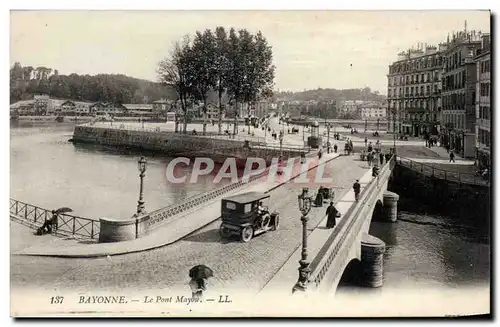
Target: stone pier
x,y
372,261
391,205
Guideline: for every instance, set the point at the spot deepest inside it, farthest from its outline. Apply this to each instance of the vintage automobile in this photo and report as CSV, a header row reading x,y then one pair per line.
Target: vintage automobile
x,y
240,215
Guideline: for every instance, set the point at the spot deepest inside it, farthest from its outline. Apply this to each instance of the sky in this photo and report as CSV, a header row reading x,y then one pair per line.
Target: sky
x,y
311,49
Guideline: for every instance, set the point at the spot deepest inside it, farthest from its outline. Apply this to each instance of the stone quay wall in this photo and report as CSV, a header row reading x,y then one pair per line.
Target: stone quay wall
x,y
465,199
178,144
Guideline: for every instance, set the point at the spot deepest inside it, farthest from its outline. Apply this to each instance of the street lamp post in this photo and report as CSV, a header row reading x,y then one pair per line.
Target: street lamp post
x,y
142,169
304,202
327,134
281,143
394,129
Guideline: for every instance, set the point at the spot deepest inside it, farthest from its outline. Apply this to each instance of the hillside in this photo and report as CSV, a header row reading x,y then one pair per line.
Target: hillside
x,y
332,94
116,88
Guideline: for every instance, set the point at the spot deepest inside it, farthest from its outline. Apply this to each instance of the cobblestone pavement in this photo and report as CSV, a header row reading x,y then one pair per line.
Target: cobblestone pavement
x,y
236,265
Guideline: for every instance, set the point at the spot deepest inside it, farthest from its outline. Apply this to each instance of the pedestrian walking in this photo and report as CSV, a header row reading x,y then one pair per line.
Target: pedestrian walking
x,y
452,156
351,145
357,189
381,158
366,141
370,147
335,148
369,159
319,197
332,214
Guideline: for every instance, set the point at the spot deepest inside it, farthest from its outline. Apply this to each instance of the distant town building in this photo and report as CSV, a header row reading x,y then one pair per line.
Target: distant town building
x,y
24,107
372,111
483,102
350,106
459,92
213,112
414,88
74,108
162,106
42,104
138,109
102,109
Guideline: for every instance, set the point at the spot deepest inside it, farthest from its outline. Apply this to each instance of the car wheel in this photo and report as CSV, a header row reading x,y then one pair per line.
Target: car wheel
x,y
265,222
276,222
246,234
224,233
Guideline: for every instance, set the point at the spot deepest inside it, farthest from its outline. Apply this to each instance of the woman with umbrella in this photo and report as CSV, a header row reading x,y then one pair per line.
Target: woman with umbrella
x,y
53,222
199,276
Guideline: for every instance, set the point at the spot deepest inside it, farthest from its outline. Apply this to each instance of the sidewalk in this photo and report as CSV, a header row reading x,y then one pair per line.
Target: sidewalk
x,y
286,277
440,151
175,229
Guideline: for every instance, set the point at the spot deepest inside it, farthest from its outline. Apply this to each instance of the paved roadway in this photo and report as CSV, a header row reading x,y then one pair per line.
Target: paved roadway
x,y
236,265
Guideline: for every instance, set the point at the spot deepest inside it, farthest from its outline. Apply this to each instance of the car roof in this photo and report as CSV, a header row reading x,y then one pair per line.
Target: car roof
x,y
247,197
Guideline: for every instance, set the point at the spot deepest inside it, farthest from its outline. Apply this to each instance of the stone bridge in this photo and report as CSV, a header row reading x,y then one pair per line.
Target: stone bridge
x,y
346,251
350,246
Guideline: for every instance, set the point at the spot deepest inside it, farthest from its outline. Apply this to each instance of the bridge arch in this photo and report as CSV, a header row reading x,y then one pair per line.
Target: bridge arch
x,y
351,275
378,211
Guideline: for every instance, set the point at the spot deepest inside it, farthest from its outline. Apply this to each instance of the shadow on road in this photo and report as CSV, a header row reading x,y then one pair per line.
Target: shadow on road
x,y
213,236
210,236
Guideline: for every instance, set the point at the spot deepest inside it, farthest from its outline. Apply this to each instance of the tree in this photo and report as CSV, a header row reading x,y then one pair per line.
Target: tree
x,y
174,71
203,70
251,72
235,74
221,68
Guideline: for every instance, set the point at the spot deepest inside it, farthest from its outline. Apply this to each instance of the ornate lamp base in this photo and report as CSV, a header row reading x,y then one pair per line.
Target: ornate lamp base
x,y
304,272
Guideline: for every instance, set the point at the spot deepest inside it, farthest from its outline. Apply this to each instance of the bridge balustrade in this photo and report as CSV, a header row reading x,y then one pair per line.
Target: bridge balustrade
x,y
67,224
453,176
330,255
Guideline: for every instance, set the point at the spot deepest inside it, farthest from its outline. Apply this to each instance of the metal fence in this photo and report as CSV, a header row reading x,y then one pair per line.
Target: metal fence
x,y
428,170
67,224
162,215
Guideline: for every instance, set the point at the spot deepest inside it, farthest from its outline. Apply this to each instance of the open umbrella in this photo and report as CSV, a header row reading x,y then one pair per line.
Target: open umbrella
x,y
63,210
200,272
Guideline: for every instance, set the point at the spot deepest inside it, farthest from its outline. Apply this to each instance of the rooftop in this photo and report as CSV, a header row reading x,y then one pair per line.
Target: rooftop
x,y
247,197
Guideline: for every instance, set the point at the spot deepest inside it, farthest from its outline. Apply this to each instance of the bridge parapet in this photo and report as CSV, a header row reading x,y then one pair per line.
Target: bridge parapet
x,y
329,263
448,175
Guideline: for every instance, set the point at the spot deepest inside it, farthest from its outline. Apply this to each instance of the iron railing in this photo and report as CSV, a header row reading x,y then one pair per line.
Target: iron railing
x,y
453,176
160,216
67,224
347,230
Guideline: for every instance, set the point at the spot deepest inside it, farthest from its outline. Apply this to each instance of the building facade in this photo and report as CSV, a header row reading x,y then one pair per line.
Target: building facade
x,y
213,112
414,89
350,106
483,102
459,93
162,106
372,111
74,108
138,109
42,104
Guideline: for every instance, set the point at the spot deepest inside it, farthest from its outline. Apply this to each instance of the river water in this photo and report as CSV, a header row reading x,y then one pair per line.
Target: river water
x,y
424,249
95,181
